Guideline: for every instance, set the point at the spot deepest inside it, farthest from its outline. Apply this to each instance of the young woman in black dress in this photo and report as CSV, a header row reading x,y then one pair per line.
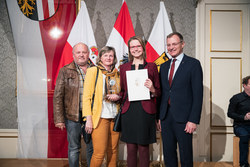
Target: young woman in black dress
x,y
138,117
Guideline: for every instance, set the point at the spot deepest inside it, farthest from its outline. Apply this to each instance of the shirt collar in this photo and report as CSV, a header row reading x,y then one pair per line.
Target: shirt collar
x,y
179,57
79,68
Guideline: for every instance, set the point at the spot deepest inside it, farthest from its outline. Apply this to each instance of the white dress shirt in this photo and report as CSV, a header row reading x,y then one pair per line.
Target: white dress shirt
x,y
177,64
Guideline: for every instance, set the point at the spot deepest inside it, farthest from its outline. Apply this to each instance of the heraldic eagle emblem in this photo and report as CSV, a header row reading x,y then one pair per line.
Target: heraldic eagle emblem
x,y
38,10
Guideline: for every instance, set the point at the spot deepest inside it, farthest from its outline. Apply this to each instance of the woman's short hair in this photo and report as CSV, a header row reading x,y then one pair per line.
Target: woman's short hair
x,y
141,41
104,50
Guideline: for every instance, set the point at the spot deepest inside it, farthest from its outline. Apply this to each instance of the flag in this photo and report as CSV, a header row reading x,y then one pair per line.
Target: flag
x,y
121,32
81,32
40,30
156,45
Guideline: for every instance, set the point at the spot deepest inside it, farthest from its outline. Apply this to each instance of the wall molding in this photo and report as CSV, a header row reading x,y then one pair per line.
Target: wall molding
x,y
8,133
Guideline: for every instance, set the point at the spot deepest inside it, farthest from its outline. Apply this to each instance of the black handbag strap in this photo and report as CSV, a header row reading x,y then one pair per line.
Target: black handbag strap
x,y
123,102
125,99
93,96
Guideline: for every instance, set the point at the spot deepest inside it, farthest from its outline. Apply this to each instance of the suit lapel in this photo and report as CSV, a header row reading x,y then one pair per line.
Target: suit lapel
x,y
165,73
180,69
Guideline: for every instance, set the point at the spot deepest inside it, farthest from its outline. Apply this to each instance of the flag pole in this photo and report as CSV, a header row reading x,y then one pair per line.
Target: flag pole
x,y
78,6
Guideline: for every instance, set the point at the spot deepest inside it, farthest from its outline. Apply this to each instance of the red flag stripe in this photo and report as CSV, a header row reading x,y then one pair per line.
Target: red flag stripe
x,y
80,32
122,19
45,9
56,4
151,51
57,139
65,58
156,44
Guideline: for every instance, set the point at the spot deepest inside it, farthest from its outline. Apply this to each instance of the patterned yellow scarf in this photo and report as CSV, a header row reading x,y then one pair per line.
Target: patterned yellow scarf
x,y
112,80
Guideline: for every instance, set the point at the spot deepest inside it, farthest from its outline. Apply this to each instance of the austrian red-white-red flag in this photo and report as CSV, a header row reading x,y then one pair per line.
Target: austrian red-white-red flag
x,y
81,32
156,45
121,32
40,30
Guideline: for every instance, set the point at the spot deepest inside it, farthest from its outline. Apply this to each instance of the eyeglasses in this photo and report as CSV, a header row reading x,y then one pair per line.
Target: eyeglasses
x,y
137,46
174,44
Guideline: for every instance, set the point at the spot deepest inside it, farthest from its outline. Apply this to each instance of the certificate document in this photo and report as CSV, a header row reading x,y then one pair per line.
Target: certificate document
x,y
135,82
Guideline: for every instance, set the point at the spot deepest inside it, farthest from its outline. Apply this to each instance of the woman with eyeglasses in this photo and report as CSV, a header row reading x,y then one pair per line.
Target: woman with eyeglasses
x,y
139,117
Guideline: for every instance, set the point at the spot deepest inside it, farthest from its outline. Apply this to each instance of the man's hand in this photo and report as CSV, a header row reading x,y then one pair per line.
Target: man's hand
x,y
247,116
158,125
190,127
60,125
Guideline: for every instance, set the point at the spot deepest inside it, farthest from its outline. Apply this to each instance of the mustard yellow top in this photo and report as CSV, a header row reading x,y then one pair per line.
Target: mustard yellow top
x,y
89,85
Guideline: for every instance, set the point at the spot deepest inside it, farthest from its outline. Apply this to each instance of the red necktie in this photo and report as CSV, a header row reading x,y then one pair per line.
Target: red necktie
x,y
171,72
171,76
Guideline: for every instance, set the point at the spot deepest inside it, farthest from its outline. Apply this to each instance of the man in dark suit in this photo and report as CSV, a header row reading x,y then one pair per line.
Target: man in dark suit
x,y
181,102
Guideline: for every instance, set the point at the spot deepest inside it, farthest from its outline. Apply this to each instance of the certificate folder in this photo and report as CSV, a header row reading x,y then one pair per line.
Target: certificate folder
x,y
135,82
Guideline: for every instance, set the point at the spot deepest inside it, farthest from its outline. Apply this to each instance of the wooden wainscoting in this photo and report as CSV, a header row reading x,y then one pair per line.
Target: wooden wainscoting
x,y
64,163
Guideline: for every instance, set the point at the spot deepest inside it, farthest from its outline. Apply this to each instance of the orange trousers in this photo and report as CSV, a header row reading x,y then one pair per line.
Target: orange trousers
x,y
105,140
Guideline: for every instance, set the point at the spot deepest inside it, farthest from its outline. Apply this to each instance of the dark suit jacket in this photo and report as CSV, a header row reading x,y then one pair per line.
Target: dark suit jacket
x,y
185,93
148,105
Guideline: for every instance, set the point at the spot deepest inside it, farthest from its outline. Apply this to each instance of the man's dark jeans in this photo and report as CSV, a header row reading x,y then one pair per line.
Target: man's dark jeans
x,y
74,139
243,132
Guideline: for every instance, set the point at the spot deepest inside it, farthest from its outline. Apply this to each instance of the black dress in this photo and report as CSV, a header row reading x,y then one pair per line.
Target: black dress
x,y
138,127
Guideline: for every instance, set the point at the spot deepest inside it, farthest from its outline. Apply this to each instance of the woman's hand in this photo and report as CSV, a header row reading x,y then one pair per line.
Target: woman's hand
x,y
149,84
89,125
113,97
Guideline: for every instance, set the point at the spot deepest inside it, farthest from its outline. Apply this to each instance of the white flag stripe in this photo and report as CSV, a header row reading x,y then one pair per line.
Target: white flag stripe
x,y
115,40
51,5
31,85
82,30
40,10
161,29
121,32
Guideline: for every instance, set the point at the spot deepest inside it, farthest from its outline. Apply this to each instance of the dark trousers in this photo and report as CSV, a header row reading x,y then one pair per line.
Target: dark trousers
x,y
132,150
173,133
243,132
